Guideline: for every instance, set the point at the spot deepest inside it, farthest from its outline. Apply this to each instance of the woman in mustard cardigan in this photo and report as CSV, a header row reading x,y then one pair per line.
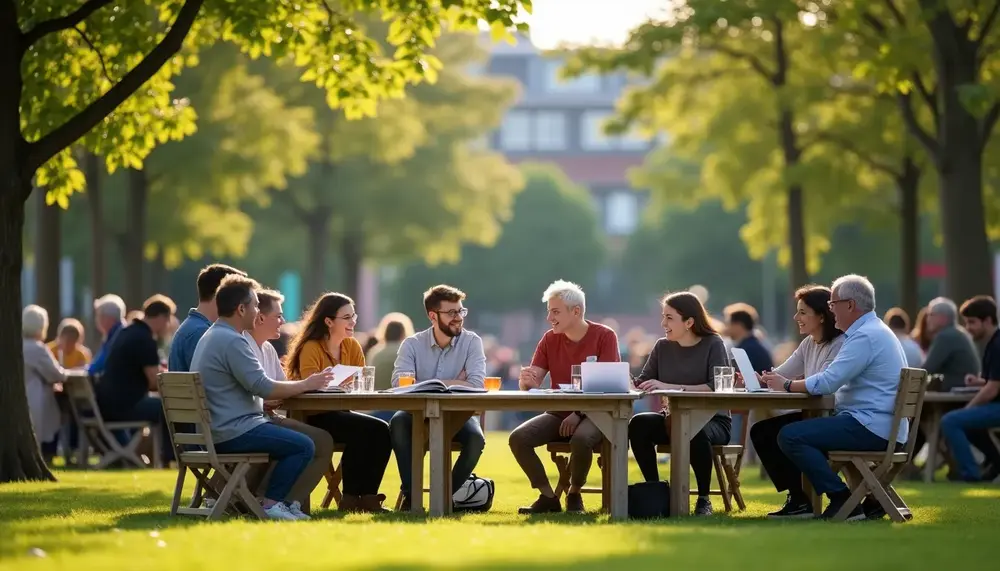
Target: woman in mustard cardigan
x,y
327,339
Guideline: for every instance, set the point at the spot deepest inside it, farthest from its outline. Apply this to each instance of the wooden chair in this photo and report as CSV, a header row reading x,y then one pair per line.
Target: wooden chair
x,y
873,472
184,403
728,460
455,447
99,434
334,476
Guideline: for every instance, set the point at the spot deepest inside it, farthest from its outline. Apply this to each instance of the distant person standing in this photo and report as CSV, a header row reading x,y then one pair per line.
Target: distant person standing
x,y
741,320
200,318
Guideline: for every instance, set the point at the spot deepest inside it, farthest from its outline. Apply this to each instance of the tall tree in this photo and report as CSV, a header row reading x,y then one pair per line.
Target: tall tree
x,y
511,274
72,70
950,107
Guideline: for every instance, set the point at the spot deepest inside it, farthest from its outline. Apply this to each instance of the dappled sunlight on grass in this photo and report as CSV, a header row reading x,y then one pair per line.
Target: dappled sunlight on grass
x,y
118,520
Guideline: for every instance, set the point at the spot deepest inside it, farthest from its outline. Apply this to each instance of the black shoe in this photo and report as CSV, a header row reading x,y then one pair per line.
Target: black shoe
x,y
574,503
544,504
404,504
872,509
837,501
703,506
794,508
991,472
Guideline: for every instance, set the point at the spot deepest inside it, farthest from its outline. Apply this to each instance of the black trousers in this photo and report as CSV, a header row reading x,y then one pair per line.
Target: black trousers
x,y
366,448
785,475
648,429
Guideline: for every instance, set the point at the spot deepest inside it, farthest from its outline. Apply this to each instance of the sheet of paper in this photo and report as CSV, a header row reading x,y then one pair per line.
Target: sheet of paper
x,y
341,373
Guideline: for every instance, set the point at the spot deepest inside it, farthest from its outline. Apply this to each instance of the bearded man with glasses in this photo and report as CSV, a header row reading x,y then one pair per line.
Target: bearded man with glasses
x,y
447,352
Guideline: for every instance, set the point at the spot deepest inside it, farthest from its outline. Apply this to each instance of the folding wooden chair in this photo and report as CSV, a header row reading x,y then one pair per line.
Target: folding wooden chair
x,y
334,476
184,403
99,434
873,472
455,447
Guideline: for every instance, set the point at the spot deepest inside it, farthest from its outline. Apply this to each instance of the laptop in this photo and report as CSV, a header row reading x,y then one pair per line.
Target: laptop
x,y
603,378
746,369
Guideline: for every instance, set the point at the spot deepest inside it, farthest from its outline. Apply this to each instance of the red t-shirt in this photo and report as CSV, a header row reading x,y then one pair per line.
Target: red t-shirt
x,y
557,354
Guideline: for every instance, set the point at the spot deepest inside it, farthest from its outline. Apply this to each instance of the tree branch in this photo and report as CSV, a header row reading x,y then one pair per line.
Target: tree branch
x,y
849,146
63,136
753,60
896,12
928,95
991,18
986,127
71,20
905,102
100,56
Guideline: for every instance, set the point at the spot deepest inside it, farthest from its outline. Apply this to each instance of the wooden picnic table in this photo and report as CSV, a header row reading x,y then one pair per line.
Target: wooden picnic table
x,y
936,404
690,411
447,412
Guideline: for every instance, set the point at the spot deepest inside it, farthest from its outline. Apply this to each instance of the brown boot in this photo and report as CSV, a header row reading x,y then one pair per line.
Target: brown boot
x,y
350,503
372,503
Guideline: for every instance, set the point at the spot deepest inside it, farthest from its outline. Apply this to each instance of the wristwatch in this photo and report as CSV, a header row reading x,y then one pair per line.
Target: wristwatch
x,y
788,386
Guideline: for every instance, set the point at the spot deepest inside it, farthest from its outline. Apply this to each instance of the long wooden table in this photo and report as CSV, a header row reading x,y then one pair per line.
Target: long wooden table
x,y
936,404
690,411
447,412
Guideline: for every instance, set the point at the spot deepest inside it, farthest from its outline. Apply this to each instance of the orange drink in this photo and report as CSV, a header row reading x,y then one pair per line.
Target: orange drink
x,y
406,379
492,383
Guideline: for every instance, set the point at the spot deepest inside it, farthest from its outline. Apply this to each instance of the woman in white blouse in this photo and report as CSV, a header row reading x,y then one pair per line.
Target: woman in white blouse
x,y
815,353
42,374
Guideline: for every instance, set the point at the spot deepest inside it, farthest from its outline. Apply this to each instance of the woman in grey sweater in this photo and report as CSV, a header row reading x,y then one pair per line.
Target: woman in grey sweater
x,y
817,350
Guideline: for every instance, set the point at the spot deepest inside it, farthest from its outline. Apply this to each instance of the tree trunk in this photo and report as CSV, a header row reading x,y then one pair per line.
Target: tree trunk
x,y
318,226
157,273
92,171
134,270
795,208
351,259
48,250
908,183
20,458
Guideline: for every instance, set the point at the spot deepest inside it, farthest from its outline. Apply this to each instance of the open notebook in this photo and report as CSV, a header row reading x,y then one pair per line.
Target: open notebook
x,y
434,386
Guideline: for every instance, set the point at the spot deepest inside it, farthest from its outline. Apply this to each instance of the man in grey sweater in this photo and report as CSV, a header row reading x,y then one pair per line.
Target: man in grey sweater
x,y
232,376
952,352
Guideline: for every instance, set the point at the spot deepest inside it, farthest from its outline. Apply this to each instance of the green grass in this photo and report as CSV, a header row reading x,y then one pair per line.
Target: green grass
x,y
118,520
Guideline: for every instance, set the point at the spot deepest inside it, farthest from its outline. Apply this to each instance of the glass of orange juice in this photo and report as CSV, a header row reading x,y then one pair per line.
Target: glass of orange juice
x,y
406,378
492,383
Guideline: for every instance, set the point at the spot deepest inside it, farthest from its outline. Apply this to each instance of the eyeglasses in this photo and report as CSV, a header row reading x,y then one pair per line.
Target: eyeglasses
x,y
833,302
453,313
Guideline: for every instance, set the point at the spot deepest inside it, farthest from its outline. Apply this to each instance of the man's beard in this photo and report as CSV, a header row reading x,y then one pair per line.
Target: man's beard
x,y
452,330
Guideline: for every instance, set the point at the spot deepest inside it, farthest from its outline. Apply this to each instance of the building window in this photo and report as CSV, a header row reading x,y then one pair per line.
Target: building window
x,y
515,132
554,83
622,212
550,131
592,137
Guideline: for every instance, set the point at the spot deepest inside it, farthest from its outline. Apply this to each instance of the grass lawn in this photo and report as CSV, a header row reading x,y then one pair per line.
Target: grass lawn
x,y
118,520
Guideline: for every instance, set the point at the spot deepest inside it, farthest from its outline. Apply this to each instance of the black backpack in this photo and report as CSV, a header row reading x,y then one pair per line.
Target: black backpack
x,y
649,500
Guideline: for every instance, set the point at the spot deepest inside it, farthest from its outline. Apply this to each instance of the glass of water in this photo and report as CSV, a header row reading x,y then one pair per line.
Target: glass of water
x,y
724,380
576,377
368,379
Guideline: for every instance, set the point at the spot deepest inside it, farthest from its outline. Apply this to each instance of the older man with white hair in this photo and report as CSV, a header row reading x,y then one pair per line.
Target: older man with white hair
x,y
109,314
952,353
864,379
571,341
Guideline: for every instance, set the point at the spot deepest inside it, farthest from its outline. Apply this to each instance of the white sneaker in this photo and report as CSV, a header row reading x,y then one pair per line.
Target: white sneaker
x,y
296,510
279,511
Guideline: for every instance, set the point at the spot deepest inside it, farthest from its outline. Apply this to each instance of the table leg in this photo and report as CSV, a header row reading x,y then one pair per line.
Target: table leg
x,y
933,441
619,469
438,448
680,458
418,443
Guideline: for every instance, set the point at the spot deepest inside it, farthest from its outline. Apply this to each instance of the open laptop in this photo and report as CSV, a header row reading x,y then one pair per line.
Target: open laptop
x,y
746,369
605,377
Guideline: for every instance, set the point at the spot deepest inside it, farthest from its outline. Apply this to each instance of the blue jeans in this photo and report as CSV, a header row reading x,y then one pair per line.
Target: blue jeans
x,y
148,409
470,436
291,451
807,442
954,426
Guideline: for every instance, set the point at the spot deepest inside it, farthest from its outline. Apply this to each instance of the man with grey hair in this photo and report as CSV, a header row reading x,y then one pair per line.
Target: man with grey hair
x,y
109,314
952,352
864,379
571,341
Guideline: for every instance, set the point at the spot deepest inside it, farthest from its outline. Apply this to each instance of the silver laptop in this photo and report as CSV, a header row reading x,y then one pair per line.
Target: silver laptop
x,y
605,378
746,369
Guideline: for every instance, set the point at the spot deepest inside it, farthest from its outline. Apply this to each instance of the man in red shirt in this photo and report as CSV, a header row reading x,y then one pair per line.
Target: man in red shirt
x,y
571,341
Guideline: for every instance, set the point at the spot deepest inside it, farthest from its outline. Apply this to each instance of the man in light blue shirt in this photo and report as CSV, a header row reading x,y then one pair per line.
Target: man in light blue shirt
x,y
449,353
864,379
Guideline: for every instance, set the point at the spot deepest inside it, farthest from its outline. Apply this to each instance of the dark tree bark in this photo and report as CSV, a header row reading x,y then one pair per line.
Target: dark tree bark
x,y
48,251
95,204
908,183
134,259
318,226
351,259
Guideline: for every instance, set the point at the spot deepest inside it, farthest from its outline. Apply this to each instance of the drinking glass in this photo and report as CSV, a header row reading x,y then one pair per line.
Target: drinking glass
x,y
368,379
492,383
576,377
717,377
406,378
727,380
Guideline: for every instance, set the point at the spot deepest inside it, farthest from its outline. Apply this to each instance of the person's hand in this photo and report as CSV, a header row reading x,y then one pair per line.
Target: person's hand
x,y
738,380
462,375
773,380
653,385
974,380
270,405
569,424
57,388
320,380
528,379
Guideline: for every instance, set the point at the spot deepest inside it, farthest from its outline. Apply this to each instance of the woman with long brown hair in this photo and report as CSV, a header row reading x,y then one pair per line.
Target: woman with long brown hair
x,y
684,359
326,339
